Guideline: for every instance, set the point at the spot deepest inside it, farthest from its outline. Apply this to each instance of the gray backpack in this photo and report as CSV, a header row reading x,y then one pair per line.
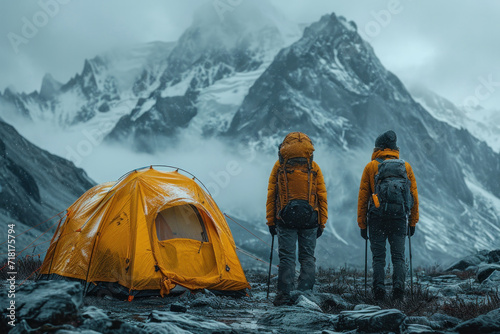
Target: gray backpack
x,y
392,188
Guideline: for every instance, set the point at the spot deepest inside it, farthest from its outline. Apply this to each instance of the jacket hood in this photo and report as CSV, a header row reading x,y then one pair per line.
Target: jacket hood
x,y
295,145
385,154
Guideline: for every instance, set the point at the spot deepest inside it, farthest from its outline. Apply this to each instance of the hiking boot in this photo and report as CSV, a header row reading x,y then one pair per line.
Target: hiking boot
x,y
398,294
282,299
379,294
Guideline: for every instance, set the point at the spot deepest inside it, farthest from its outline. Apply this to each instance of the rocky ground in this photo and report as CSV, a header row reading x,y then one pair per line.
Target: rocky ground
x,y
463,298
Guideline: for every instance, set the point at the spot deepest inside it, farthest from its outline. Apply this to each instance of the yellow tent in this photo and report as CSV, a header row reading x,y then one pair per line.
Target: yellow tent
x,y
152,230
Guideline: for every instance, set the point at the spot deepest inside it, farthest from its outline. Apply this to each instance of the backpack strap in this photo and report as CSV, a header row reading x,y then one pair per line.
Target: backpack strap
x,y
286,181
277,202
309,181
380,160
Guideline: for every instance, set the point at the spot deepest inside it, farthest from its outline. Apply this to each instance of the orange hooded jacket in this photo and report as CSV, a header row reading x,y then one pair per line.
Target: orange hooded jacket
x,y
273,196
367,186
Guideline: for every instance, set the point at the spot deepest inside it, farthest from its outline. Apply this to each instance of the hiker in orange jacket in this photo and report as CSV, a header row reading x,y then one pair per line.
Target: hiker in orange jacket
x,y
384,214
297,210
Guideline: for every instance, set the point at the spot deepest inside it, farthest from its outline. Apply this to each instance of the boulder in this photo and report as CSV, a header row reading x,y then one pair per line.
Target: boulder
x,y
360,307
371,320
163,328
486,323
178,308
434,322
450,290
294,319
177,323
47,302
416,320
494,277
210,300
443,321
302,301
21,327
494,256
92,312
469,261
418,329
110,326
492,283
486,270
326,301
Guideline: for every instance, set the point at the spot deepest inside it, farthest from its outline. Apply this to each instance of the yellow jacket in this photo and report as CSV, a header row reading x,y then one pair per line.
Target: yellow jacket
x,y
276,201
367,186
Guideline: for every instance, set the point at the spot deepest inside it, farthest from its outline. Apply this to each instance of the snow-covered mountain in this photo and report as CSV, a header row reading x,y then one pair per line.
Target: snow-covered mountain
x,y
106,82
141,94
481,123
208,73
246,80
34,185
331,85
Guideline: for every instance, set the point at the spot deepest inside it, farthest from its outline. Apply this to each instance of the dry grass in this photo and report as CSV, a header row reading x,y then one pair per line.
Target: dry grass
x,y
338,281
436,270
256,276
465,309
25,267
349,284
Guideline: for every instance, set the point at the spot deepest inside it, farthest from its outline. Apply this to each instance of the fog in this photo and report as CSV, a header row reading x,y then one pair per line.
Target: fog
x,y
447,46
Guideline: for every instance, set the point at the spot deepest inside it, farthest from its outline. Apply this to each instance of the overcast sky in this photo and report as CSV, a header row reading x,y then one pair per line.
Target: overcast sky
x,y
451,47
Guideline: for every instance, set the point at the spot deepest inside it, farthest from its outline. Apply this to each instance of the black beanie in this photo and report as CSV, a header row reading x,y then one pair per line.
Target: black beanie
x,y
387,140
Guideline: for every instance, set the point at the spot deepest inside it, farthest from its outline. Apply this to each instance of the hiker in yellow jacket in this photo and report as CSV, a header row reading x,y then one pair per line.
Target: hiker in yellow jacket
x,y
297,211
384,212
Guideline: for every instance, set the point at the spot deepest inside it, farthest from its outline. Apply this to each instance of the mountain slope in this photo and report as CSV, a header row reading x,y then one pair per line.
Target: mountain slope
x,y
34,184
330,85
483,124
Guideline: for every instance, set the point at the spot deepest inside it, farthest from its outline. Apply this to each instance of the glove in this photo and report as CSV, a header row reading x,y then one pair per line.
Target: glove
x,y
412,231
319,232
272,230
364,233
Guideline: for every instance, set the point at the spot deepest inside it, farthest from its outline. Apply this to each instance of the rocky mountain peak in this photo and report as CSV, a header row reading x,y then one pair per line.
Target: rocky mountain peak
x,y
331,24
235,36
50,87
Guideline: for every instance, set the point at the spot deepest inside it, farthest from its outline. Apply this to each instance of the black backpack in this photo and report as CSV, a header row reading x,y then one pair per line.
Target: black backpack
x,y
392,188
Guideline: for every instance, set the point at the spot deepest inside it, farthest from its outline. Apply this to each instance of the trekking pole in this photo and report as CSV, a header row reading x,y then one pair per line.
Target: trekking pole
x,y
270,266
411,267
366,265
366,260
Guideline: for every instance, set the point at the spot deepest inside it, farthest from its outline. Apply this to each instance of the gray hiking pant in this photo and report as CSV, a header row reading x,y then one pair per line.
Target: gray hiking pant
x,y
287,241
379,232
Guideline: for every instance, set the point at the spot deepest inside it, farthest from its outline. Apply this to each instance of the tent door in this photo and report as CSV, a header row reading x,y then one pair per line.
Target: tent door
x,y
183,242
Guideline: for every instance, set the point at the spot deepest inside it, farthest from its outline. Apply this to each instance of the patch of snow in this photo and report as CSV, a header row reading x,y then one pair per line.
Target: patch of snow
x,y
218,103
489,198
144,108
178,89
